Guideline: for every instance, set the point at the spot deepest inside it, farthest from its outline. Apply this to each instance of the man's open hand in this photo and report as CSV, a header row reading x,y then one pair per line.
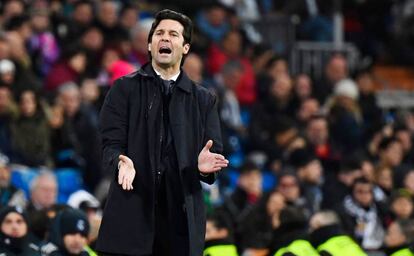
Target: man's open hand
x,y
126,173
209,162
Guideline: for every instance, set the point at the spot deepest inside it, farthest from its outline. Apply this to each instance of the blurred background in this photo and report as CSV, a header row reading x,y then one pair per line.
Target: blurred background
x,y
315,99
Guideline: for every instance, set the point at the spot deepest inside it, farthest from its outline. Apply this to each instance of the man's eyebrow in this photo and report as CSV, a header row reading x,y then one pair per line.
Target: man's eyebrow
x,y
168,30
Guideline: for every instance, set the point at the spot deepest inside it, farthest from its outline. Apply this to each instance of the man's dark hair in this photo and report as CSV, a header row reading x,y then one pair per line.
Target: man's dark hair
x,y
16,22
361,180
248,167
83,2
221,220
167,14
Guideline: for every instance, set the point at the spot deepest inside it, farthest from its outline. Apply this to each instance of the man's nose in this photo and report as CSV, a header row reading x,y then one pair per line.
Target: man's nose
x,y
165,37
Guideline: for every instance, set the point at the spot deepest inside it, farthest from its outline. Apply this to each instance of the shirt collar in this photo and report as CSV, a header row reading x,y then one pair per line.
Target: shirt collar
x,y
174,77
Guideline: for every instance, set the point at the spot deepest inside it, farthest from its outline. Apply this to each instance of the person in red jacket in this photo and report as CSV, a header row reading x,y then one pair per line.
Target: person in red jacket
x,y
230,49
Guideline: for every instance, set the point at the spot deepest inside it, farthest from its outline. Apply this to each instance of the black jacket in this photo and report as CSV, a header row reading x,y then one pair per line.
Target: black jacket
x,y
130,124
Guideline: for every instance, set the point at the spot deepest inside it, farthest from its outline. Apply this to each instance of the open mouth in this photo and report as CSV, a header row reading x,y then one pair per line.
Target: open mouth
x,y
164,50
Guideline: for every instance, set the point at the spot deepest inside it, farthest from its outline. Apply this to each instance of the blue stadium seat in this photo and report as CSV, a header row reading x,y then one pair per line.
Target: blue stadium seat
x,y
21,178
269,180
69,180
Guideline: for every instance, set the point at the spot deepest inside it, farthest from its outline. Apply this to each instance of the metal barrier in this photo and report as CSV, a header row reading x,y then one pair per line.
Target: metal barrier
x,y
311,57
277,31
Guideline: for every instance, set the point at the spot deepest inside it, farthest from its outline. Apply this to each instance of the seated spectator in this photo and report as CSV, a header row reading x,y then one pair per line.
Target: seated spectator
x,y
335,70
303,87
78,136
231,49
92,41
43,200
193,67
401,205
212,22
291,238
229,108
390,153
384,183
219,236
405,136
338,185
68,69
310,174
362,216
289,188
43,46
247,193
90,205
254,232
275,67
14,233
321,143
328,237
372,114
139,41
400,238
107,21
9,194
344,116
68,234
31,132
307,109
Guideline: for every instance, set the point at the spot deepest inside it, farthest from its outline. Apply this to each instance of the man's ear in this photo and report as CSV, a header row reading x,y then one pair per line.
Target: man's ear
x,y
186,48
149,46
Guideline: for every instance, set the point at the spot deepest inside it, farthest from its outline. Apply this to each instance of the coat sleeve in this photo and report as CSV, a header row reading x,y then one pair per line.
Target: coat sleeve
x,y
114,125
212,132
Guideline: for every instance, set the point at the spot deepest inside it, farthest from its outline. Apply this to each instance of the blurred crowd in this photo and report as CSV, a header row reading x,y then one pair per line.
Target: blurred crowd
x,y
311,160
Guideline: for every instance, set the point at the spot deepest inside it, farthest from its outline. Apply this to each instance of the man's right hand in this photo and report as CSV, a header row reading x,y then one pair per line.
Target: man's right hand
x,y
126,172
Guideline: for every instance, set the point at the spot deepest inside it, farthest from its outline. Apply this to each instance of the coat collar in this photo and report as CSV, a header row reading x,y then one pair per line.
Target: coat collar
x,y
183,81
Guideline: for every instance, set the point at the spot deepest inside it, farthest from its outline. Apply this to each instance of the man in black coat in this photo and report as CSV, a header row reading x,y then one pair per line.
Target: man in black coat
x,y
157,137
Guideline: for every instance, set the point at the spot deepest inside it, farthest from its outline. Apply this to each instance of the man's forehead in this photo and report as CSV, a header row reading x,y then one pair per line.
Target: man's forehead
x,y
169,25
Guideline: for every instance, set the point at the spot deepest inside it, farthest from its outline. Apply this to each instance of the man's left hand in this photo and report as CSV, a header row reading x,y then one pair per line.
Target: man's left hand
x,y
209,162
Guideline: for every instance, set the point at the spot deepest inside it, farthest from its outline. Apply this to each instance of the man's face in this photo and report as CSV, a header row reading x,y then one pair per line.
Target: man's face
x,y
251,182
14,225
83,14
402,207
71,101
394,236
45,193
313,172
289,188
74,243
317,131
167,44
363,194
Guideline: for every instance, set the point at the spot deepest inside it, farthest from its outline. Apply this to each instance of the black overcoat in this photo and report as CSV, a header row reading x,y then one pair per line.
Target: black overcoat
x,y
130,124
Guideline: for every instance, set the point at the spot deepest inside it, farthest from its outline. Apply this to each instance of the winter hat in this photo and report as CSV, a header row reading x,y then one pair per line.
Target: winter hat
x,y
8,209
73,221
348,88
82,199
7,66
